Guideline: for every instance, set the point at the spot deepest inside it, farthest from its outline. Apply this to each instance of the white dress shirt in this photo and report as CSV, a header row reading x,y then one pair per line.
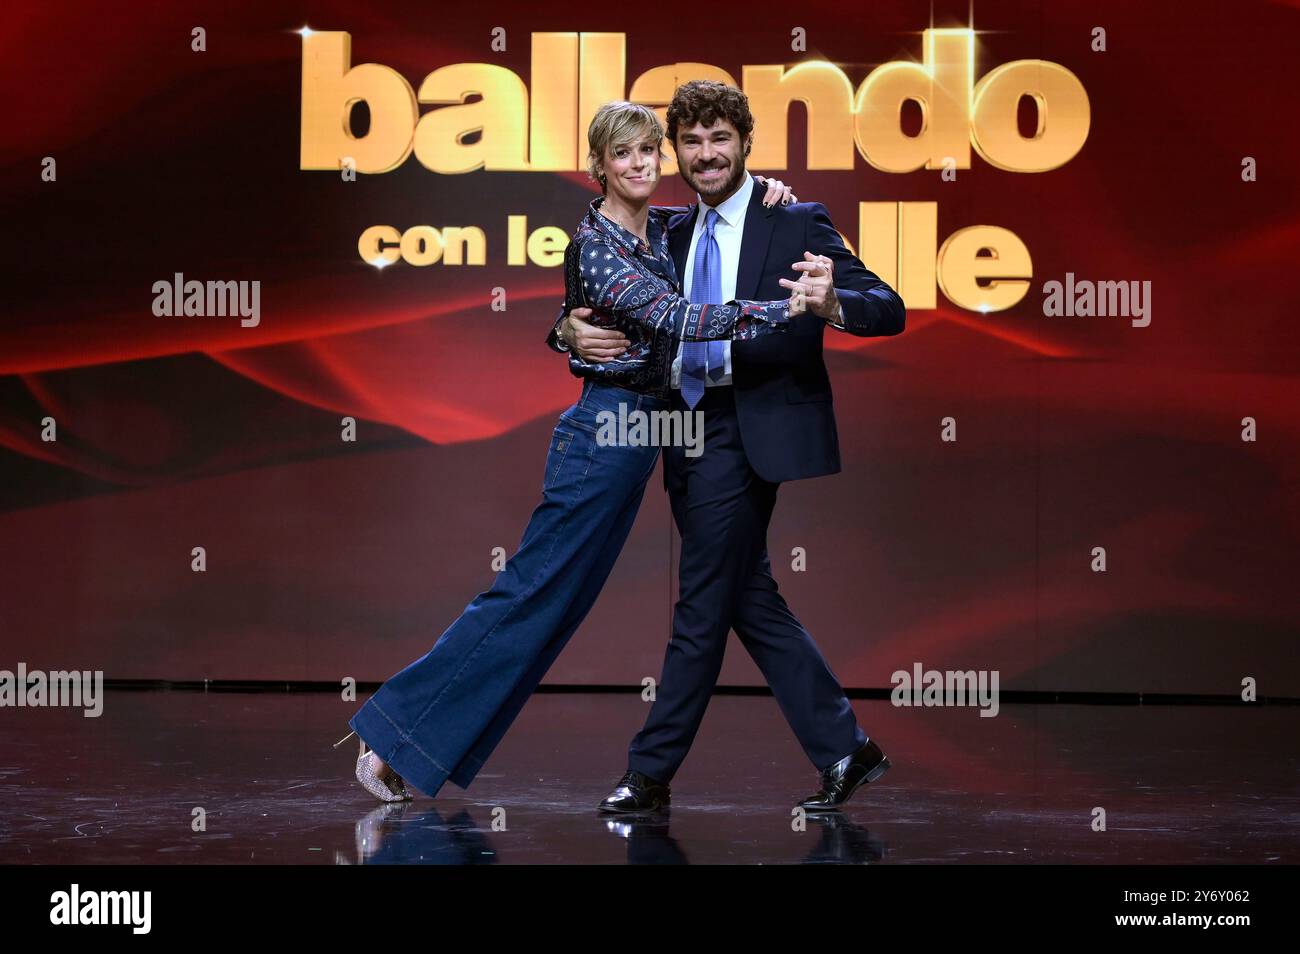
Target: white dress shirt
x,y
727,231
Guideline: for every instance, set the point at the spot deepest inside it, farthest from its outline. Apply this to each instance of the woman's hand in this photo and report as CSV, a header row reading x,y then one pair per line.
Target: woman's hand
x,y
777,192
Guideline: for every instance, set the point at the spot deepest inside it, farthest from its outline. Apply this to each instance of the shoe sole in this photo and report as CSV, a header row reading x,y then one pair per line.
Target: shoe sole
x,y
608,810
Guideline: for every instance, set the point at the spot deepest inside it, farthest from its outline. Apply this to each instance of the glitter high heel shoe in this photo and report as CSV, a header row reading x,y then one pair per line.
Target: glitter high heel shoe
x,y
392,790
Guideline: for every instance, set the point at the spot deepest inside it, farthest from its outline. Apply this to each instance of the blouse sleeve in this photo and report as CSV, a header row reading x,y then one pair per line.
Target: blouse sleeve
x,y
609,283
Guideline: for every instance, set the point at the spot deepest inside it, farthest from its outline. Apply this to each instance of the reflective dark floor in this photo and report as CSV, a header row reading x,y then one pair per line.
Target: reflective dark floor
x,y
1176,784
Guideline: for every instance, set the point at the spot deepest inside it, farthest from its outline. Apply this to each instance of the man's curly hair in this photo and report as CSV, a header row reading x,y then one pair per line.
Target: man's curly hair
x,y
704,101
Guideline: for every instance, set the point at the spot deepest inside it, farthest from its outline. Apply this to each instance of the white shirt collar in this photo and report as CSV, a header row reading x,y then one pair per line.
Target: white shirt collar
x,y
733,209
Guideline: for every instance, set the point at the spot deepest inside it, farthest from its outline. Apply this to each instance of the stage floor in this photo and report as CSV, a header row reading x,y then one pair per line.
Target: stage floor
x,y
1200,785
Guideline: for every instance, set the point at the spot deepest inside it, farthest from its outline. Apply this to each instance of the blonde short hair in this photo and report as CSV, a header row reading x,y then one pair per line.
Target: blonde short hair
x,y
617,123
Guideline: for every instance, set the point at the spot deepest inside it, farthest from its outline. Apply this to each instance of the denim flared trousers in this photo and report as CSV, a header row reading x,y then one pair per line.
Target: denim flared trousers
x,y
442,716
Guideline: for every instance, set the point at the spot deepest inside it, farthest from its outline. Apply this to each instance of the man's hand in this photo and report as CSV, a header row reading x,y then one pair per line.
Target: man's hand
x,y
595,345
817,286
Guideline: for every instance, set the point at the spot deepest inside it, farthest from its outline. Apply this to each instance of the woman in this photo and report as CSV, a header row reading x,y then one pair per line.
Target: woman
x,y
441,716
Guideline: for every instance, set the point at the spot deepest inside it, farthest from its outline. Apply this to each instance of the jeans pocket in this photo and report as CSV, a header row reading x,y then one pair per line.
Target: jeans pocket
x,y
581,416
561,442
568,463
600,405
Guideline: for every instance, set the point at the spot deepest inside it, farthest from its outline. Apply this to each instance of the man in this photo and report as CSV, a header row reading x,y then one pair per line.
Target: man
x,y
767,418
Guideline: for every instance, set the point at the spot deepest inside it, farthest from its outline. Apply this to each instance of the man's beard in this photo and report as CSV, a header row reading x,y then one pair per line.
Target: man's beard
x,y
724,187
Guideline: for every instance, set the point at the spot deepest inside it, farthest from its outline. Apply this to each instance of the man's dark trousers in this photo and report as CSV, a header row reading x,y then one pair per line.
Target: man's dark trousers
x,y
722,509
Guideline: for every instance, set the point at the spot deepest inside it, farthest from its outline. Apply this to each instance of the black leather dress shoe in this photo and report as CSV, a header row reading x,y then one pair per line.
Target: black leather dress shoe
x,y
636,793
843,778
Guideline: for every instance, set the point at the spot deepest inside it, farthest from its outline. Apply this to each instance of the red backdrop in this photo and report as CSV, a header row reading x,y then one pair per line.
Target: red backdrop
x,y
328,558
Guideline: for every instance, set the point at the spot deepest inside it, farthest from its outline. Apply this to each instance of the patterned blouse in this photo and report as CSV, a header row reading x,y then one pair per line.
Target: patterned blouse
x,y
633,287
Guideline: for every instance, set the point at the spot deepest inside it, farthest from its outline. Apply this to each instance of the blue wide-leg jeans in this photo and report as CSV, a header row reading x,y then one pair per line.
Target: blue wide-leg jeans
x,y
443,714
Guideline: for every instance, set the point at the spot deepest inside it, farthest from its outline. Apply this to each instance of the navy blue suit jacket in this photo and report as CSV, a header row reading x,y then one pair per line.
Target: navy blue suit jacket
x,y
782,390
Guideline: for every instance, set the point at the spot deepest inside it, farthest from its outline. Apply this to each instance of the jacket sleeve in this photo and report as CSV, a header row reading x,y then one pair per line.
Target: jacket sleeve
x,y
612,286
871,307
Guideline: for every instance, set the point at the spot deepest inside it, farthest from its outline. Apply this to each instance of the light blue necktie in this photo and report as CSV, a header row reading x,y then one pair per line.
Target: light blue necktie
x,y
706,286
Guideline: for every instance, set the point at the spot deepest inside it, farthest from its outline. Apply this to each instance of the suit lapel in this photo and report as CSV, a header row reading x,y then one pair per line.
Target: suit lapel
x,y
754,243
679,243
